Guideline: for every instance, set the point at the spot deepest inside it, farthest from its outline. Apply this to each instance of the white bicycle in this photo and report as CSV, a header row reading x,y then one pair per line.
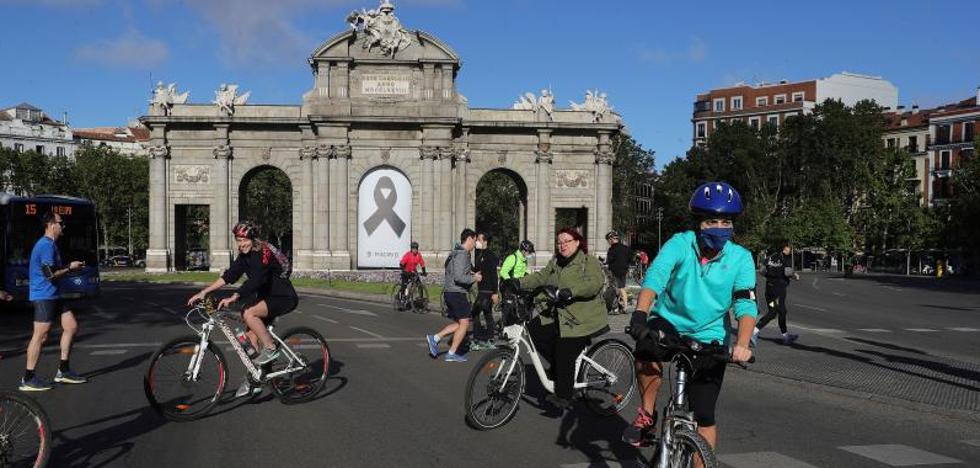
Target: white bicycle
x,y
187,376
604,373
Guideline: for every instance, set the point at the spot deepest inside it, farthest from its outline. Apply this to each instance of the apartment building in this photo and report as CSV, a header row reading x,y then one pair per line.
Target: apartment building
x,y
773,103
26,128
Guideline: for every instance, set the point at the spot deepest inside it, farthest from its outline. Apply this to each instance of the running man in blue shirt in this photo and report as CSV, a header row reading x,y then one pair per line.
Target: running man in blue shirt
x,y
697,277
45,270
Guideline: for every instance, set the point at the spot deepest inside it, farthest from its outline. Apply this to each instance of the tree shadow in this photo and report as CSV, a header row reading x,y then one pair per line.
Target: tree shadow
x,y
600,438
114,442
955,285
886,345
124,364
938,367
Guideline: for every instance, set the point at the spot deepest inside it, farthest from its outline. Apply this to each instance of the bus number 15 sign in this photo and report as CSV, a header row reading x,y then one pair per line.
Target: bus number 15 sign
x,y
31,209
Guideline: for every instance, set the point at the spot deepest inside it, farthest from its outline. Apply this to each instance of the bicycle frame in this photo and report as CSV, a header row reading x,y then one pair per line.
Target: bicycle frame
x,y
675,416
214,320
518,337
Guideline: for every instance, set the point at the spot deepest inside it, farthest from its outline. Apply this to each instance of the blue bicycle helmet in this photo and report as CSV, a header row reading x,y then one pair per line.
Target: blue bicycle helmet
x,y
716,199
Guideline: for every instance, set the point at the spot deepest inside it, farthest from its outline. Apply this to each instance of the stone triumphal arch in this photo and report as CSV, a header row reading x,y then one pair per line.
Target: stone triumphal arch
x,y
383,110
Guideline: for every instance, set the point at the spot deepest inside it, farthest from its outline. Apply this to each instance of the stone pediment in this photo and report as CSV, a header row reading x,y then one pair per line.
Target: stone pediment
x,y
351,46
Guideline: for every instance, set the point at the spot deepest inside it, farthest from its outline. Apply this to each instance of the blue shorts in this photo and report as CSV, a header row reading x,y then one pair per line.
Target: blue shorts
x,y
457,305
46,310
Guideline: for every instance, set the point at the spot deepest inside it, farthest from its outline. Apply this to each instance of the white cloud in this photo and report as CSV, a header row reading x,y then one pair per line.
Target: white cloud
x,y
265,31
696,52
131,50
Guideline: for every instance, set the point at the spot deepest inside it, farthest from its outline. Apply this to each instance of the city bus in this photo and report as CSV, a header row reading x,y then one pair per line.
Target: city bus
x,y
21,220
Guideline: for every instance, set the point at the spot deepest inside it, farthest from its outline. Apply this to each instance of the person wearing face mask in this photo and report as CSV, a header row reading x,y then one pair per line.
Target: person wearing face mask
x,y
696,278
486,264
515,265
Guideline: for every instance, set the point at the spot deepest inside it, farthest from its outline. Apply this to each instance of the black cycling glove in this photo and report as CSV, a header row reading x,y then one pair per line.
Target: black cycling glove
x,y
565,295
424,273
638,324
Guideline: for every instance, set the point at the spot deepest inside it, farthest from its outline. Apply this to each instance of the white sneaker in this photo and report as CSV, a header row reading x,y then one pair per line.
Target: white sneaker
x,y
755,337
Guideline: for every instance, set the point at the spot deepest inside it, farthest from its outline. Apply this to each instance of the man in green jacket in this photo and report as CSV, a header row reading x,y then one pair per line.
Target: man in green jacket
x,y
515,265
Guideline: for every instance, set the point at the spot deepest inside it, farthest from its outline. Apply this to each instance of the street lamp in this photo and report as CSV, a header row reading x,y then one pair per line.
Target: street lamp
x,y
660,217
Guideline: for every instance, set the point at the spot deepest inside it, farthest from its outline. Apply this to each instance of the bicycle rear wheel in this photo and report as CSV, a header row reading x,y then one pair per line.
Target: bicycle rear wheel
x,y
25,434
688,447
302,385
603,396
494,389
168,385
398,298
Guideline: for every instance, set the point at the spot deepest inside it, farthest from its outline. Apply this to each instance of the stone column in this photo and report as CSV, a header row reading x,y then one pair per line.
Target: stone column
x,y
428,73
341,252
306,228
427,228
220,227
158,255
544,241
342,79
322,216
447,81
445,187
604,159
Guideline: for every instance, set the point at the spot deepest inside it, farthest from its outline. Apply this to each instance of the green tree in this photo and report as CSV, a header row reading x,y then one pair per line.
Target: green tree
x,y
632,166
267,199
498,203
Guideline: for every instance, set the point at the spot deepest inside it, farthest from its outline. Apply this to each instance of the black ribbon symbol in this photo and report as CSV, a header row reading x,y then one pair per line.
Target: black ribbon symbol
x,y
385,211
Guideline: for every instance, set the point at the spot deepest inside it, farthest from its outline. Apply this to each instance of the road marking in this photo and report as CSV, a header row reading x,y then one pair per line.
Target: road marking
x,y
373,345
821,309
169,310
325,319
362,340
351,311
151,303
923,330
819,330
874,330
756,459
838,294
116,345
893,288
965,329
108,352
974,442
898,455
367,332
815,284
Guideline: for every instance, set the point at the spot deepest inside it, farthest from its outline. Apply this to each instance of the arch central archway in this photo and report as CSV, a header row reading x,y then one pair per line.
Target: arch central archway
x,y
501,209
266,196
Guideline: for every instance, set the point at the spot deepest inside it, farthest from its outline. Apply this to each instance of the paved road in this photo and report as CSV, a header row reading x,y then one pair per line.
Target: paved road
x,y
389,404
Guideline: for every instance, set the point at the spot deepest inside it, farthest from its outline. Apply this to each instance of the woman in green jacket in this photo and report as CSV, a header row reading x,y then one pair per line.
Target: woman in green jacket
x,y
581,313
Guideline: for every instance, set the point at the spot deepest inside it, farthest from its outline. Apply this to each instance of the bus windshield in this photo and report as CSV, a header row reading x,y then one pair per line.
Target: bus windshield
x,y
78,239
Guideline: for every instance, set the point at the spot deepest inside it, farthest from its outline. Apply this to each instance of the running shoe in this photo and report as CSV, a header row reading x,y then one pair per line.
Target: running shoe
x,y
636,433
69,377
267,355
433,345
453,357
34,385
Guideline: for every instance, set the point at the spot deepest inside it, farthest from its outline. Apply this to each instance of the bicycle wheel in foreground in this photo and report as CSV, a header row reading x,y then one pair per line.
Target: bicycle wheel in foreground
x,y
25,434
602,396
688,448
420,298
494,389
170,388
305,384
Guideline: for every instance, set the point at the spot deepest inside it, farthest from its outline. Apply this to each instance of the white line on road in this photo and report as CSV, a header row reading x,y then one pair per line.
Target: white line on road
x,y
874,330
820,330
151,303
893,288
821,309
965,329
169,310
108,352
815,284
755,459
899,455
325,319
606,464
350,311
838,294
923,330
101,313
373,345
366,332
116,345
973,442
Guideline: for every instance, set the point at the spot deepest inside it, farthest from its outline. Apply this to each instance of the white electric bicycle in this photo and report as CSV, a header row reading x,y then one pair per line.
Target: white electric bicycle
x,y
604,373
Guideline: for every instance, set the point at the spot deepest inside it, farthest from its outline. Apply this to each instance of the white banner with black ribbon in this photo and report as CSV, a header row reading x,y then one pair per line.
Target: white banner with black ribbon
x,y
384,218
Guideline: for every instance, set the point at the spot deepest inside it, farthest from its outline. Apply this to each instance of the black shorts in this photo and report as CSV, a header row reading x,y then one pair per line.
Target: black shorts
x,y
46,310
703,387
278,305
619,281
457,305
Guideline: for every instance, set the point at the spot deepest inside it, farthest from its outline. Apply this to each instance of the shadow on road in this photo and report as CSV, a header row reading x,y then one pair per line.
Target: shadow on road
x,y
887,345
954,285
107,447
908,362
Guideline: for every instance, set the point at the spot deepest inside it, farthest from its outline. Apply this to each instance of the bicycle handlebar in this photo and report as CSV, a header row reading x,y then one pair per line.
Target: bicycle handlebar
x,y
686,344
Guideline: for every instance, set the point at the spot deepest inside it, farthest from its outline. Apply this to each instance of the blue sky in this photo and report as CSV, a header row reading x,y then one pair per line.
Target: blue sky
x,y
98,59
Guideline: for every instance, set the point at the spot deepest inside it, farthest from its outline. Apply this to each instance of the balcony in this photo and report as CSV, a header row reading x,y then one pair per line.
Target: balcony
x,y
702,106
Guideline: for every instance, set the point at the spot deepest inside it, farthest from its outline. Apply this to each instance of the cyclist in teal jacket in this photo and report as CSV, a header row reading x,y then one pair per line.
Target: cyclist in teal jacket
x,y
697,277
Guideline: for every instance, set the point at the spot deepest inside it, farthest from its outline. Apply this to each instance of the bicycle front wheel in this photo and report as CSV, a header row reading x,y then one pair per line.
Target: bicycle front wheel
x,y
171,388
305,383
494,389
610,377
25,433
420,298
688,448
